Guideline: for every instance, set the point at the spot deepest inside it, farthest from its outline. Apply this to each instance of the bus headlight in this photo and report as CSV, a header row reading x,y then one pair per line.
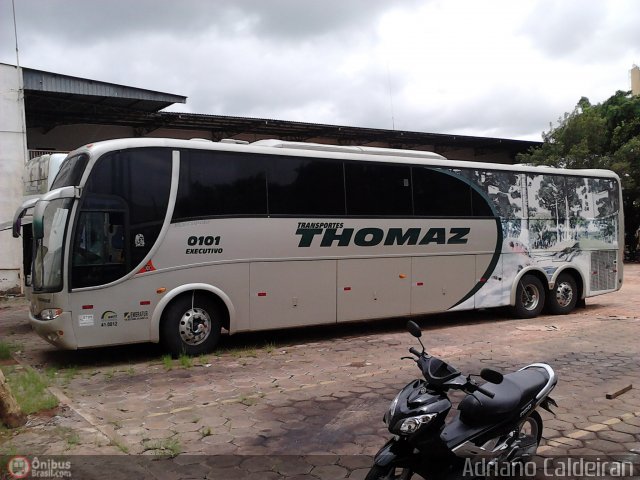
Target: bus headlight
x,y
411,425
50,313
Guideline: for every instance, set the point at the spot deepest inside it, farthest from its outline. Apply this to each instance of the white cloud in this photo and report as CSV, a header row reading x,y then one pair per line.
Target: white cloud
x,y
499,68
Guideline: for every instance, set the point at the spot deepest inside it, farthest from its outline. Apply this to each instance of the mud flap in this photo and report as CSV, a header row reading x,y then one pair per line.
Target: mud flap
x,y
394,452
546,405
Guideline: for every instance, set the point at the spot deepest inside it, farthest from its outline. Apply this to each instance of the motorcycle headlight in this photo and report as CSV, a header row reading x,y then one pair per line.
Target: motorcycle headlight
x,y
412,424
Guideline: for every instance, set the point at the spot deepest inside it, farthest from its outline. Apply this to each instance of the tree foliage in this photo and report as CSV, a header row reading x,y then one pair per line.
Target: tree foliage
x,y
605,135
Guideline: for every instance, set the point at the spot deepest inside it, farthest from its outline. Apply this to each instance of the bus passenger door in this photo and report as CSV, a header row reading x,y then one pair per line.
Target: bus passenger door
x,y
439,283
373,288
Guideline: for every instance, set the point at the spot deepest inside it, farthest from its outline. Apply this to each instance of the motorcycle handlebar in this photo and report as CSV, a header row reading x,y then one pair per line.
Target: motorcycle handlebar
x,y
486,392
469,386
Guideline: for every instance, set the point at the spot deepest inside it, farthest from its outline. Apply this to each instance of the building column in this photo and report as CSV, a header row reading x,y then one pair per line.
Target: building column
x,y
13,154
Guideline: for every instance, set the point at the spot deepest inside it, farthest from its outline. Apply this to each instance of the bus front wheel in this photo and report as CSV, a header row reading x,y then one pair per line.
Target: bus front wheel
x,y
530,295
191,325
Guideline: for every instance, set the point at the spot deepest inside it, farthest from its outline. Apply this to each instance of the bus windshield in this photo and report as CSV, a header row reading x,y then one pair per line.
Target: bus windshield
x,y
71,171
47,267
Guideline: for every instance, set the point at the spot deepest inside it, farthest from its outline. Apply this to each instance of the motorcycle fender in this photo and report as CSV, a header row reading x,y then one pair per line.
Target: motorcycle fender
x,y
393,452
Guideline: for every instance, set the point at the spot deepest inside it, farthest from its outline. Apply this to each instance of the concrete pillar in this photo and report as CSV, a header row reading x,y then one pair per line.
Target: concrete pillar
x,y
635,80
13,153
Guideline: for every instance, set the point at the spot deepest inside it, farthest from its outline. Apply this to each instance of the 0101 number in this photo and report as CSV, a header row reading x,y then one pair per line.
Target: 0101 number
x,y
208,240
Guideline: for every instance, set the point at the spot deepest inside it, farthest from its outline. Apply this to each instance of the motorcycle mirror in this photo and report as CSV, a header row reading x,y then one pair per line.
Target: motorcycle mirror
x,y
414,329
491,376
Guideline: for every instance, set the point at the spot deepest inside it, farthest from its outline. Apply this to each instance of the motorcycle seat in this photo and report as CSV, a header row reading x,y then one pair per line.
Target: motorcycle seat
x,y
515,392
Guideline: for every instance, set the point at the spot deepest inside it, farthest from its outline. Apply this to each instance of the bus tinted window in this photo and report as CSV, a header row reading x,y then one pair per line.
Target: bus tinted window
x,y
142,177
375,189
70,172
220,183
439,194
302,186
138,181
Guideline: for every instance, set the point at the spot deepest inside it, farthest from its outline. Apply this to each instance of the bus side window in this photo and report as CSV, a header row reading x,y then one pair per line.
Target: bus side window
x,y
89,246
438,194
375,189
115,243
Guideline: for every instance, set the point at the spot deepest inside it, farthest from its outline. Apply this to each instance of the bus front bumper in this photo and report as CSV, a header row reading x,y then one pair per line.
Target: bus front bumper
x,y
58,332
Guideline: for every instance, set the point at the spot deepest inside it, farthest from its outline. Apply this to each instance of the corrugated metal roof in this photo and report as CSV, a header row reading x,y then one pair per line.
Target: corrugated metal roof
x,y
52,99
149,100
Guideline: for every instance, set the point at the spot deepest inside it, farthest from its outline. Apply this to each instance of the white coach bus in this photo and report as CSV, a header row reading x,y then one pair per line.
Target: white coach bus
x,y
174,241
39,173
38,176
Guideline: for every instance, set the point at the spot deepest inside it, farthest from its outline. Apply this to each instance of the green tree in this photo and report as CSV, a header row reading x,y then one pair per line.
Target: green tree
x,y
605,135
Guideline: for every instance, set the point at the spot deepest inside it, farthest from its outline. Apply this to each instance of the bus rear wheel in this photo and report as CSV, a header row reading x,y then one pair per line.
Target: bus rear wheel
x,y
562,299
191,325
530,296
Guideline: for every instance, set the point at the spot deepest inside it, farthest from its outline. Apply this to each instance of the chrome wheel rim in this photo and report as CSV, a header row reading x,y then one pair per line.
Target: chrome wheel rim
x,y
564,294
194,326
530,297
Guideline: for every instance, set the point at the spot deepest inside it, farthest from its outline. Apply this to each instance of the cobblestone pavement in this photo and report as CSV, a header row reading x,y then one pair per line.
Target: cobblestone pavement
x,y
310,402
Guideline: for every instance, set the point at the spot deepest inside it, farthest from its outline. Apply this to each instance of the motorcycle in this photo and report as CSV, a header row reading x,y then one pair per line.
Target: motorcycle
x,y
497,423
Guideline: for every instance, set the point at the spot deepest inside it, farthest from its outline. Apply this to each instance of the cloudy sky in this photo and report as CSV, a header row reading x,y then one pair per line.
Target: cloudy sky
x,y
500,68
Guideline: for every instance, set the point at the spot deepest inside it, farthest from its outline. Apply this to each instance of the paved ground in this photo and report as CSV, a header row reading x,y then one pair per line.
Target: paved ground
x,y
299,403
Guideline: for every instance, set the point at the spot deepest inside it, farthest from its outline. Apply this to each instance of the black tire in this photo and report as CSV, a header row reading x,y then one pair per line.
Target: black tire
x,y
388,473
530,297
191,325
564,296
531,429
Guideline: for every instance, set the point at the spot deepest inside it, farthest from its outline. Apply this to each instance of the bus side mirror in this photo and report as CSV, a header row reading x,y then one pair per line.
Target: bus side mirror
x,y
17,224
17,217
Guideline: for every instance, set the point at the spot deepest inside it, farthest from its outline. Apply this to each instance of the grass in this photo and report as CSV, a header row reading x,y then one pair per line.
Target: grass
x,y
185,361
7,450
248,400
167,362
68,435
167,446
30,390
121,446
6,349
243,352
205,431
69,374
247,351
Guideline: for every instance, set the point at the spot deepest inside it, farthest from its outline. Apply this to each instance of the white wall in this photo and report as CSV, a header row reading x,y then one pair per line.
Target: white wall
x,y
13,152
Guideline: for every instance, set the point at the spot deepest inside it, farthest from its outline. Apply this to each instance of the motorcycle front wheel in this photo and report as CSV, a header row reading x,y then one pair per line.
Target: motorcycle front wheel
x,y
388,473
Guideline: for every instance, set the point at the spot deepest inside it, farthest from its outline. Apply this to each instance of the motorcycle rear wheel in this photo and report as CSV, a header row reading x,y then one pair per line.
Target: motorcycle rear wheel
x,y
530,434
532,426
388,473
